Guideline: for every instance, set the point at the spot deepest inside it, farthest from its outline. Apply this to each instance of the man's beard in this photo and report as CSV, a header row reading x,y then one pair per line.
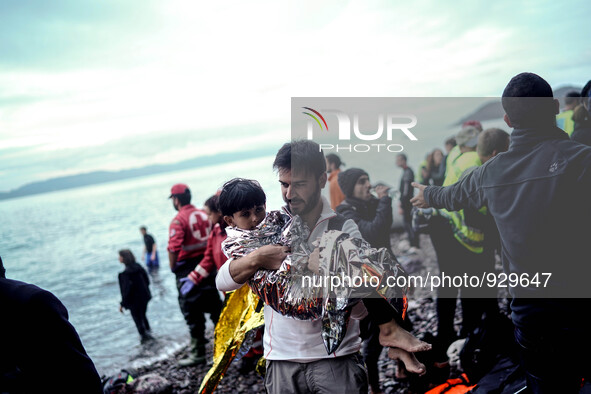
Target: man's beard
x,y
308,205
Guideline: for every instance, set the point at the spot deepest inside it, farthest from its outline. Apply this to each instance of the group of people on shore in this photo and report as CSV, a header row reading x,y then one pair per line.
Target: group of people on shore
x,y
523,197
484,206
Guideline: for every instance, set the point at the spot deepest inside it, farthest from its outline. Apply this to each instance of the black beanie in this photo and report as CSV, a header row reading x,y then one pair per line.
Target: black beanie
x,y
348,179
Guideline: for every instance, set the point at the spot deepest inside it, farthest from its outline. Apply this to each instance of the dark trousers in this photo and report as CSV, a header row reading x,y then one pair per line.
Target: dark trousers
x,y
413,237
138,313
554,362
201,299
371,350
454,259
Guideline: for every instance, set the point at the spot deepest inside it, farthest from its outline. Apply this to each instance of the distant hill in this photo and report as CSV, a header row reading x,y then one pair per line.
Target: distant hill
x,y
494,109
95,177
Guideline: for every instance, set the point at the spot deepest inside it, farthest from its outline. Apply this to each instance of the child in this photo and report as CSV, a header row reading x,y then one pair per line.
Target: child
x,y
242,203
135,293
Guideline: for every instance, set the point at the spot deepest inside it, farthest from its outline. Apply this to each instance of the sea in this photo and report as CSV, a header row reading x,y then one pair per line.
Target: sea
x,y
67,242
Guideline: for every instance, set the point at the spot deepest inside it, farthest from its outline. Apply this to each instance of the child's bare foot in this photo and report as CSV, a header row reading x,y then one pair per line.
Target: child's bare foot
x,y
392,335
400,371
410,361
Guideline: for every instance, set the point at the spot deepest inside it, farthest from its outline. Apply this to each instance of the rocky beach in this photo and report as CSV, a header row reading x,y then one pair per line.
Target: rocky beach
x,y
166,377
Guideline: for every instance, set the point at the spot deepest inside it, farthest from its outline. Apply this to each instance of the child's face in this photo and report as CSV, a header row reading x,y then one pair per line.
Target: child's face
x,y
247,219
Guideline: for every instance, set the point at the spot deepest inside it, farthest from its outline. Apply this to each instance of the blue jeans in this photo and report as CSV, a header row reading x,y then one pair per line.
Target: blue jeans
x,y
151,264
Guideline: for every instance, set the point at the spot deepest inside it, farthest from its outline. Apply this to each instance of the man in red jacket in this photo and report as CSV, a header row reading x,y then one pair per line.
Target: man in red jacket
x,y
188,233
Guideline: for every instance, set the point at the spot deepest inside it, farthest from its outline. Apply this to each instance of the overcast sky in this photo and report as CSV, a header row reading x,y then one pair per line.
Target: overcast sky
x,y
110,84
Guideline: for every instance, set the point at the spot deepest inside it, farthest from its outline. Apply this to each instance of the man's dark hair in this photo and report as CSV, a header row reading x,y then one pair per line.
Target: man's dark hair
x,y
403,156
238,194
302,156
143,228
528,101
492,139
184,198
450,141
334,159
213,203
572,98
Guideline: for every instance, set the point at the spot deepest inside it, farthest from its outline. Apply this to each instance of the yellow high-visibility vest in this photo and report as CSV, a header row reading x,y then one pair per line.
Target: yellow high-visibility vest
x,y
471,237
565,121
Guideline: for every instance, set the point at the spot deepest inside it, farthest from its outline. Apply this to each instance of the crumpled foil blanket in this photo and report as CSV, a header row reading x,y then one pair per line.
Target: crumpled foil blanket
x,y
297,291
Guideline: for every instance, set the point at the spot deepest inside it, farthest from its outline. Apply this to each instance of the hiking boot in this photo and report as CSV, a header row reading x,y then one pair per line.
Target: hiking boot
x,y
196,354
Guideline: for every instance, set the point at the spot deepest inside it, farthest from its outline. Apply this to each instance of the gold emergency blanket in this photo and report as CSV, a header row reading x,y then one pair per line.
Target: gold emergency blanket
x,y
233,335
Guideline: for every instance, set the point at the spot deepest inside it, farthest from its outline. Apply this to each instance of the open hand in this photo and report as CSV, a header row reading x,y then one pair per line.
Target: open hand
x,y
381,190
419,200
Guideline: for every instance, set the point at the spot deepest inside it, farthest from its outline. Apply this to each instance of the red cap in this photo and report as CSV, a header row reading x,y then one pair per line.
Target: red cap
x,y
179,188
473,123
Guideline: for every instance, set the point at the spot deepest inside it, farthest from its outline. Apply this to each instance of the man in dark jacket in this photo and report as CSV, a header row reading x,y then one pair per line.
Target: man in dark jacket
x,y
373,216
537,192
40,350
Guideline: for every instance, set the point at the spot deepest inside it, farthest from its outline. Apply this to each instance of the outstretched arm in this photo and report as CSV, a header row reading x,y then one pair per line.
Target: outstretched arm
x,y
466,193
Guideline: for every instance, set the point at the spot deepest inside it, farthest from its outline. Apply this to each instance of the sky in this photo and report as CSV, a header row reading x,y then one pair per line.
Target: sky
x,y
108,85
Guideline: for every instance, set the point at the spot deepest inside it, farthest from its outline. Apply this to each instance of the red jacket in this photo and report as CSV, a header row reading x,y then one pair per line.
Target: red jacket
x,y
188,233
213,257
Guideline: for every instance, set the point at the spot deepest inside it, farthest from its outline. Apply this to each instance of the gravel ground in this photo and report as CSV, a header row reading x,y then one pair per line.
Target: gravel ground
x,y
421,311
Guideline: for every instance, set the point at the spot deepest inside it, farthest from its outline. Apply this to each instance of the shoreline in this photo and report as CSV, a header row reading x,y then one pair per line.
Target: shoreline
x,y
185,380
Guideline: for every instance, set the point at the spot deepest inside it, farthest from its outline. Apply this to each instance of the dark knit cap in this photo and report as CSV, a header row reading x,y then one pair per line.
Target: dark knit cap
x,y
348,179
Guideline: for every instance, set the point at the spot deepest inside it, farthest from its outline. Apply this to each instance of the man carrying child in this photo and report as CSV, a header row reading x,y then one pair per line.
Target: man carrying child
x,y
296,356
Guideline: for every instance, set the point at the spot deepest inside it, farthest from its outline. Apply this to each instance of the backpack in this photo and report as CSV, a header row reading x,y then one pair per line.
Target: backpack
x,y
336,222
506,377
491,339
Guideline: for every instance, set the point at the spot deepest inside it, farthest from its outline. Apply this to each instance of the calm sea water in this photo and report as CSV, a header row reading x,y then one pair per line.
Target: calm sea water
x,y
67,242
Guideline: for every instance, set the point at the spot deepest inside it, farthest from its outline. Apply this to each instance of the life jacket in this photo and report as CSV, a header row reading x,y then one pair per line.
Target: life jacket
x,y
468,232
453,386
